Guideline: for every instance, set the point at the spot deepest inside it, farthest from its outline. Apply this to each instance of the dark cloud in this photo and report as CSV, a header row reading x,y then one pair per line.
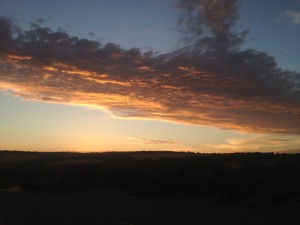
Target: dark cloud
x,y
209,82
7,29
92,34
208,25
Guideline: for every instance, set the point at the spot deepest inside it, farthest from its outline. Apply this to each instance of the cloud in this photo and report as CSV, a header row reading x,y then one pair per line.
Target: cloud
x,y
294,16
208,82
208,25
160,144
254,144
148,141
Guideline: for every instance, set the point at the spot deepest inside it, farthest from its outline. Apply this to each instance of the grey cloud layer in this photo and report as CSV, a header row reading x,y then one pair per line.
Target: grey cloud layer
x,y
209,82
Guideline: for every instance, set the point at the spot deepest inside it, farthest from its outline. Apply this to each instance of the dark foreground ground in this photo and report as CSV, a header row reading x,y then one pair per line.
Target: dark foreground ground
x,y
115,207
149,188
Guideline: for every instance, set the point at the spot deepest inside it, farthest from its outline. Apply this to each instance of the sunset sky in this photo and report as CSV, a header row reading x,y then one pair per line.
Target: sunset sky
x,y
182,75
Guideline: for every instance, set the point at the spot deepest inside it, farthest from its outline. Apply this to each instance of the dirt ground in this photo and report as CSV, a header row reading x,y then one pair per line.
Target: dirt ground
x,y
115,207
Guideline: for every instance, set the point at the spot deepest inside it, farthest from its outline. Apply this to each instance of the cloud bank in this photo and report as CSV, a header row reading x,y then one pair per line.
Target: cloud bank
x,y
209,82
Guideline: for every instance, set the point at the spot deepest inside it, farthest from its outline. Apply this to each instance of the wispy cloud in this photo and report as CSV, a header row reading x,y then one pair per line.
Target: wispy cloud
x,y
148,141
160,144
258,143
209,82
293,16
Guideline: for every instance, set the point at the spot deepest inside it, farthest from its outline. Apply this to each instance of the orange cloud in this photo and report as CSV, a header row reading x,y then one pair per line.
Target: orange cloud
x,y
209,83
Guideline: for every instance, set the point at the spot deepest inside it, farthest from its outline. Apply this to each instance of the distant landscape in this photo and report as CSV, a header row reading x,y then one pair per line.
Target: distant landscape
x,y
222,177
148,188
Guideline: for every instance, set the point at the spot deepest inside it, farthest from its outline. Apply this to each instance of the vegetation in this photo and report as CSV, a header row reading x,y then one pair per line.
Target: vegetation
x,y
221,177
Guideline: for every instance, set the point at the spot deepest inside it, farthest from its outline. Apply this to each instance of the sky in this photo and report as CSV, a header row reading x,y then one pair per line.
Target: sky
x,y
181,75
